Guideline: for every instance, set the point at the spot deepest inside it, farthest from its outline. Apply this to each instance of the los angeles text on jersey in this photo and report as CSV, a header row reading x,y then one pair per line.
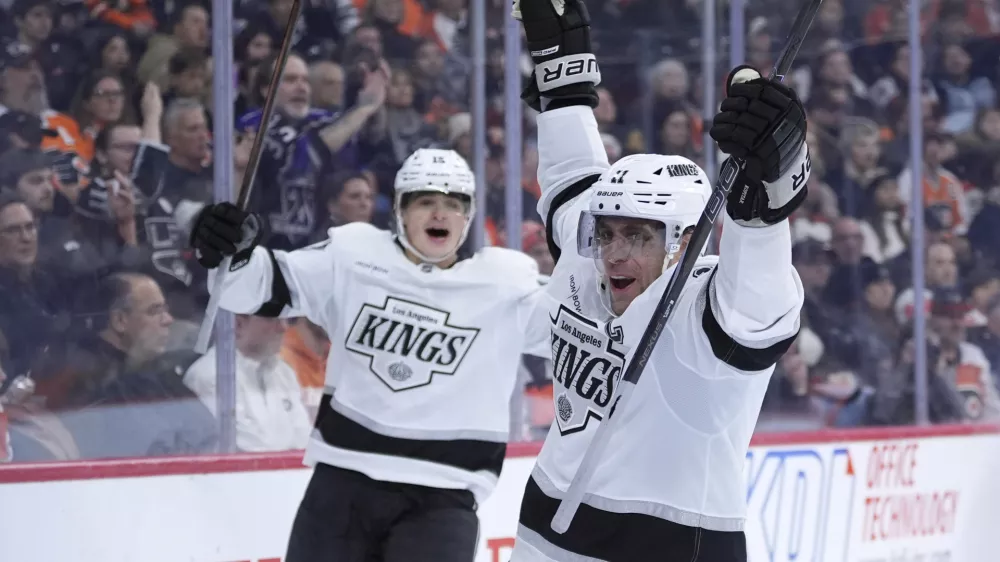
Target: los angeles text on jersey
x,y
407,343
586,367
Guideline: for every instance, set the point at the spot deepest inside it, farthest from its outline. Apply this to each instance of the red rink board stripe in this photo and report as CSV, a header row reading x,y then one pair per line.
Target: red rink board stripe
x,y
258,462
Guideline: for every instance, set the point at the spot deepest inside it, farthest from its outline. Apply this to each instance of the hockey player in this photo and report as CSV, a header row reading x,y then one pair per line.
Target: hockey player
x,y
426,346
672,487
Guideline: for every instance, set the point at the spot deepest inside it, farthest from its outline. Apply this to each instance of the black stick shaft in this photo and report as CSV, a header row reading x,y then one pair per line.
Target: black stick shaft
x,y
246,188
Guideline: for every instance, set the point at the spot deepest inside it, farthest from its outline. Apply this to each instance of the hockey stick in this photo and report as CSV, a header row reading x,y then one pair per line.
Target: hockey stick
x,y
246,188
665,307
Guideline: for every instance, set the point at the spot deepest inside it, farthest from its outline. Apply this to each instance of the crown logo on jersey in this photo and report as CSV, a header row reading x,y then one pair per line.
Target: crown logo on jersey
x,y
408,343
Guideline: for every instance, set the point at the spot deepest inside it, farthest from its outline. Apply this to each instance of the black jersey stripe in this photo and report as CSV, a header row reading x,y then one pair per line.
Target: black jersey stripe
x,y
467,454
732,352
628,537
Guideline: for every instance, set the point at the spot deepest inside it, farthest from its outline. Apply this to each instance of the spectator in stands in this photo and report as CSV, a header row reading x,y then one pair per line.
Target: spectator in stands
x,y
117,389
101,99
58,55
892,85
962,95
396,28
985,228
306,348
186,132
22,83
671,84
675,135
879,295
326,78
440,81
188,77
270,415
406,127
884,228
31,297
847,243
860,142
306,143
987,337
130,15
982,285
788,391
21,130
962,364
940,272
347,197
979,148
113,55
940,186
188,30
894,399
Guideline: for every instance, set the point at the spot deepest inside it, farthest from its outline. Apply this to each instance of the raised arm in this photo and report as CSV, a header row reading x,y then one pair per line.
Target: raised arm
x,y
571,155
755,293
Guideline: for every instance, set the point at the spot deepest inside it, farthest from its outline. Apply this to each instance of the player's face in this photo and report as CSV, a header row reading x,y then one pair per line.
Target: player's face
x,y
294,89
434,223
631,254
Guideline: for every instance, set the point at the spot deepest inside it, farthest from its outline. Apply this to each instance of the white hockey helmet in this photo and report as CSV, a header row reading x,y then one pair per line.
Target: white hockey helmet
x,y
671,190
436,171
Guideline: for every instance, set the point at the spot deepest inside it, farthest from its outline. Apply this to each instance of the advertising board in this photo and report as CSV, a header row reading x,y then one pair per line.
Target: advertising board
x,y
892,496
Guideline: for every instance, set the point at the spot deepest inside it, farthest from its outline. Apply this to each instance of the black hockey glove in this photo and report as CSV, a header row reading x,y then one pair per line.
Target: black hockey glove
x,y
566,71
223,230
763,122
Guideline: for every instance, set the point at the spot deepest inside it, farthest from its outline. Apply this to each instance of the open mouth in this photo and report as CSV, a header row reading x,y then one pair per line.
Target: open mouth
x,y
437,235
620,282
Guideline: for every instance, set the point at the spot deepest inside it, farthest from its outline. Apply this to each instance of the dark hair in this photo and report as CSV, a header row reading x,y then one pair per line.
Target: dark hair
x,y
86,89
332,185
109,294
9,197
243,40
97,53
185,60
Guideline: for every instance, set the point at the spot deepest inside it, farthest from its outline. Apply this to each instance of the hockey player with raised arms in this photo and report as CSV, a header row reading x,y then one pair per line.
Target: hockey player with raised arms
x,y
426,342
671,486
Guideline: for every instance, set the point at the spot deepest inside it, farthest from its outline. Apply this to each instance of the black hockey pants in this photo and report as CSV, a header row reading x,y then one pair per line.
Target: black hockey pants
x,y
347,517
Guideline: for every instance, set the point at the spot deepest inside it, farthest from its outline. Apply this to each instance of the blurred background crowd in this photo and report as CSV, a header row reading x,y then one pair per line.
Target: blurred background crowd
x,y
106,155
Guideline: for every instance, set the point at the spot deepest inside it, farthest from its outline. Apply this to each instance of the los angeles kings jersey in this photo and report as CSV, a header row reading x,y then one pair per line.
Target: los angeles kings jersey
x,y
677,455
423,361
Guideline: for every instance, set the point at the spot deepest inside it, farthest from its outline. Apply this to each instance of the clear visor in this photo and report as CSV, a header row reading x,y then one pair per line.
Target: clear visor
x,y
615,238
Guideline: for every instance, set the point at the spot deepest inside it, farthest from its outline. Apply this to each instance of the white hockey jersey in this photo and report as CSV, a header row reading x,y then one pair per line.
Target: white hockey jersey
x,y
423,360
678,453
